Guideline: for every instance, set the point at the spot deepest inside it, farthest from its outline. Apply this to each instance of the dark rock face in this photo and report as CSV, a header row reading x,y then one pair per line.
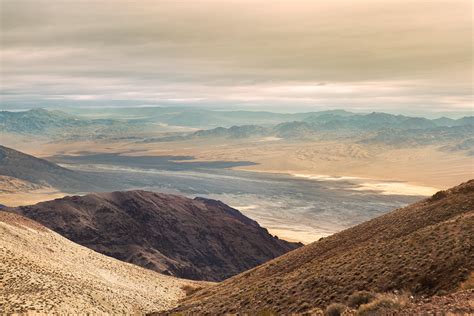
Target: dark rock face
x,y
197,238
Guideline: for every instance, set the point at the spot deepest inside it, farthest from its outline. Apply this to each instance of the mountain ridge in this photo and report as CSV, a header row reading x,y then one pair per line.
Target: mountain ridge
x,y
197,238
362,128
424,248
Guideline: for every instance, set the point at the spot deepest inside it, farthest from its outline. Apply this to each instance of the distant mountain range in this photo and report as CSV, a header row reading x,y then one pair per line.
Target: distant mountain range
x,y
197,117
129,120
41,122
365,128
382,128
196,239
345,125
425,249
208,119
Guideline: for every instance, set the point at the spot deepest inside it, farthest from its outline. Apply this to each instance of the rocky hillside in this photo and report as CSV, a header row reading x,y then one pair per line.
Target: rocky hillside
x,y
426,248
197,238
43,272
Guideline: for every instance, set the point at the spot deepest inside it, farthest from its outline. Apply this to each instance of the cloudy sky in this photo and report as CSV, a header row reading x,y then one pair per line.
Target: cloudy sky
x,y
406,56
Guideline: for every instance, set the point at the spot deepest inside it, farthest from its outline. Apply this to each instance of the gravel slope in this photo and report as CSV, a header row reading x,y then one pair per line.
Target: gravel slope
x,y
45,272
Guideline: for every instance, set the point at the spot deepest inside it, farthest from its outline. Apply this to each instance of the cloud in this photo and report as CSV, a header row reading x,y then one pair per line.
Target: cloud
x,y
379,53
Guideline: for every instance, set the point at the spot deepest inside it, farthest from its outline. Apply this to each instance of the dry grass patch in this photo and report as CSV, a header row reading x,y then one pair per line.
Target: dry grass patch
x,y
190,290
384,304
335,309
359,298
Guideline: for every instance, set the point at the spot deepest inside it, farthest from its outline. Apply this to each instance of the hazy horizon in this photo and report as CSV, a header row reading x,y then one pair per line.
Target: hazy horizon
x,y
85,107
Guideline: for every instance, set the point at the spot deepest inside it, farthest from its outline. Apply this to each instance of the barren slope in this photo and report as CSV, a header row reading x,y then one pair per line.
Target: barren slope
x,y
43,271
15,192
197,238
15,164
424,248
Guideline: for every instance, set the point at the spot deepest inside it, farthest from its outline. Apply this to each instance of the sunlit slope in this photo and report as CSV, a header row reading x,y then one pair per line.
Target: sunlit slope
x,y
44,272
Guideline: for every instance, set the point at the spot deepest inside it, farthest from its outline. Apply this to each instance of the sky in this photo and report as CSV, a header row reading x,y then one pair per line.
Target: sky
x,y
401,56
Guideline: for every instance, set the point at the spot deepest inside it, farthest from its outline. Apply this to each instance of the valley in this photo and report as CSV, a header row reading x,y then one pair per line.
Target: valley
x,y
230,205
293,208
236,158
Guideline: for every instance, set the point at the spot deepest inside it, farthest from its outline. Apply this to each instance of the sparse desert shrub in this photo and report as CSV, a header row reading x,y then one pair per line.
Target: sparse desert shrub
x,y
359,298
335,309
189,290
386,304
427,282
439,195
266,312
442,293
313,312
468,284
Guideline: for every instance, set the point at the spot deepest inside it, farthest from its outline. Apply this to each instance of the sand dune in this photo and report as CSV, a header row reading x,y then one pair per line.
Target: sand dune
x,y
44,272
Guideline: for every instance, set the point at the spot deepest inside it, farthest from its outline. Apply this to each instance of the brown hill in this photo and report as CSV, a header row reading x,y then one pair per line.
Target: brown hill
x,y
41,271
197,238
425,248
